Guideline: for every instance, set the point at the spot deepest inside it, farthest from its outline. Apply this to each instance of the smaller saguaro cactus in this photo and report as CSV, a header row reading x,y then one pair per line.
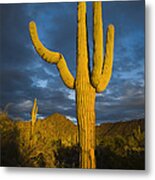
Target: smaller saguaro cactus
x,y
34,115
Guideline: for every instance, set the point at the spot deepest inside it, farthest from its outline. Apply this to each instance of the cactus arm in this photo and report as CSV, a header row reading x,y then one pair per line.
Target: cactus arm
x,y
65,73
98,43
102,68
51,57
108,61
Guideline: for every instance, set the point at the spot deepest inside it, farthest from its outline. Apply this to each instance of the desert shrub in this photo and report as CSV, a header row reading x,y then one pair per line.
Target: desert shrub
x,y
67,156
54,144
118,152
9,147
36,151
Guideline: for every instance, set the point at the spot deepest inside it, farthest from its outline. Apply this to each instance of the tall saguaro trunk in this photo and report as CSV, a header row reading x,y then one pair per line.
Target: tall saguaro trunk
x,y
85,95
86,83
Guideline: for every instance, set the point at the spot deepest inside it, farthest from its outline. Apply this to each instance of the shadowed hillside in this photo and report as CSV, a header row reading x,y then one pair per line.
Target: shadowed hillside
x,y
55,143
121,128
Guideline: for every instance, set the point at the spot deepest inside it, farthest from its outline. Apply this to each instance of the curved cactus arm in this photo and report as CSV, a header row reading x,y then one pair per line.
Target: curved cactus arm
x,y
98,43
51,57
108,60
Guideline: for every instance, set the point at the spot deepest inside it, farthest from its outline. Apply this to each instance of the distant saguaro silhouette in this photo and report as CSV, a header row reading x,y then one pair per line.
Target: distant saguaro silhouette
x,y
34,115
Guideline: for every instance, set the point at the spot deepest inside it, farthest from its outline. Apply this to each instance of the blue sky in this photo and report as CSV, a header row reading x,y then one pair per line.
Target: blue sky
x,y
24,75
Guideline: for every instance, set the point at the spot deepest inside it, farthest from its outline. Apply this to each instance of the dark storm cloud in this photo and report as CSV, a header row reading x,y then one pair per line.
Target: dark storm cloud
x,y
24,75
129,102
15,37
48,101
13,82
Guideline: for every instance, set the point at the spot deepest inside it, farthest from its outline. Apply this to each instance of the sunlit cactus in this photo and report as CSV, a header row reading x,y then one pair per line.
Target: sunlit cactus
x,y
86,83
34,116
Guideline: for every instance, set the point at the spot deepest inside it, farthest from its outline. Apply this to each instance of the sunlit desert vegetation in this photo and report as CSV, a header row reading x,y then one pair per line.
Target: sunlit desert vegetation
x,y
55,143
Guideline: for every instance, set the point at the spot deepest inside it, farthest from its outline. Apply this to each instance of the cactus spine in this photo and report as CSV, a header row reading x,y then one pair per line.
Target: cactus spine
x,y
86,83
34,116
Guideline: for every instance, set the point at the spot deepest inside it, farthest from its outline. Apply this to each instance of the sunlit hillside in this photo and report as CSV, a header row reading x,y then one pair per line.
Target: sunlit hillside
x,y
55,143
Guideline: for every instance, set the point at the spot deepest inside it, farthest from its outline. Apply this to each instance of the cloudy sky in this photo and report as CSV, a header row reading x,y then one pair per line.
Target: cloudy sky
x,y
24,75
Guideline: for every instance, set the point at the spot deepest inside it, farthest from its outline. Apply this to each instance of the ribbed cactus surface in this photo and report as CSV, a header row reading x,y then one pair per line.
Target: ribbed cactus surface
x,y
87,83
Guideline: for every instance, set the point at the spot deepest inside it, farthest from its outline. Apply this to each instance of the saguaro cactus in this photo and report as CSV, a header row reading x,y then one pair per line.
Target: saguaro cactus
x,y
34,116
86,83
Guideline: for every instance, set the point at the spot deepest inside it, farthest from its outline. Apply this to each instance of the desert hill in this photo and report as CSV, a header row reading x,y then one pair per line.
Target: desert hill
x,y
122,128
55,143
